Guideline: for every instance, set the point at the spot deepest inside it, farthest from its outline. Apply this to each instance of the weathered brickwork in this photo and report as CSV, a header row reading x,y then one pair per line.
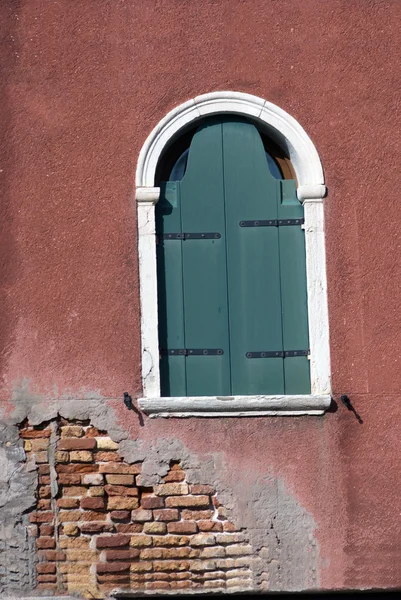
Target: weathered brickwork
x,y
98,529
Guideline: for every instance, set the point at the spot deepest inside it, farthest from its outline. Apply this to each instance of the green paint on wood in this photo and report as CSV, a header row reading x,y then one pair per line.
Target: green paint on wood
x,y
244,291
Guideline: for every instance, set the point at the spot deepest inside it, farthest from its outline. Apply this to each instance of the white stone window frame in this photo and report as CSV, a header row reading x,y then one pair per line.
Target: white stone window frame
x,y
310,191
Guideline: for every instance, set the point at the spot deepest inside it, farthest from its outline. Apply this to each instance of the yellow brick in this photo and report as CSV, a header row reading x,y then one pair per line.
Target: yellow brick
x,y
122,503
40,444
171,489
70,529
77,555
75,568
80,542
72,431
139,541
170,540
106,443
27,445
97,490
141,567
155,527
62,457
81,456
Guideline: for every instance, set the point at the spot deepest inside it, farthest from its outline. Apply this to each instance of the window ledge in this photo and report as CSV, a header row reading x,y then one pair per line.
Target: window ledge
x,y
236,406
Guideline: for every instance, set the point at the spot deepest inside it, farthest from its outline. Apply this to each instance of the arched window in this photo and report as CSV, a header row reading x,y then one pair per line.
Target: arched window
x,y
227,294
231,268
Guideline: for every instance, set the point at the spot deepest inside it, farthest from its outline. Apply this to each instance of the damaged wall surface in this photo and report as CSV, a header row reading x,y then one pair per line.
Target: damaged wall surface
x,y
95,496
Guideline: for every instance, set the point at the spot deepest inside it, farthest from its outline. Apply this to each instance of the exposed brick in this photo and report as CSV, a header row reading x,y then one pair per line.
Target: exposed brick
x,y
229,538
52,555
141,567
238,583
170,540
43,469
44,479
69,478
44,504
151,553
229,527
94,432
140,515
76,555
69,515
41,517
92,503
170,553
243,561
197,515
76,444
244,572
112,541
74,491
82,568
92,527
79,542
72,431
203,565
113,578
213,552
112,555
120,469
188,501
150,502
140,541
68,502
120,490
62,457
203,539
129,527
46,567
166,514
96,491
122,503
157,585
104,456
92,479
43,543
182,527
91,515
81,456
201,489
155,528
239,550
46,530
116,567
210,525
171,565
120,515
158,576
33,530
35,433
39,444
77,468
120,479
106,443
174,476
41,457
47,586
70,529
180,585
171,489
222,513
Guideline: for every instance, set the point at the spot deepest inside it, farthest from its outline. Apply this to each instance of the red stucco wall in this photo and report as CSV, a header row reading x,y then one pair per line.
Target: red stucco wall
x,y
83,83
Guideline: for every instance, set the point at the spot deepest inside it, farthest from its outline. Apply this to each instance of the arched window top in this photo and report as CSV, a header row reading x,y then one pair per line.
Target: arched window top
x,y
173,161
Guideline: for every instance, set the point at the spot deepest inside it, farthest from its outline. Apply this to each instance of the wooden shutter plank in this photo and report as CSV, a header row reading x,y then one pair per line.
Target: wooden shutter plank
x,y
170,291
251,193
293,291
204,265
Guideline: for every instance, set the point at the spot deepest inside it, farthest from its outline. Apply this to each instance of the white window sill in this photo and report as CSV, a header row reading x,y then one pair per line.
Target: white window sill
x,y
236,406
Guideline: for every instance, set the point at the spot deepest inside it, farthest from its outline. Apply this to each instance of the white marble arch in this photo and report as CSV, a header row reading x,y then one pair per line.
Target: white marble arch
x,y
311,190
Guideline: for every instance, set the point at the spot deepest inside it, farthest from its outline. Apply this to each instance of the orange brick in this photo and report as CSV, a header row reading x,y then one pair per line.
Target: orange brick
x,y
74,491
76,444
46,567
120,490
121,503
103,456
91,515
44,504
171,565
35,433
68,502
166,514
77,468
69,515
197,515
120,469
129,527
210,525
201,489
69,478
174,476
182,527
46,530
45,543
52,555
41,517
92,503
40,444
188,501
120,479
170,540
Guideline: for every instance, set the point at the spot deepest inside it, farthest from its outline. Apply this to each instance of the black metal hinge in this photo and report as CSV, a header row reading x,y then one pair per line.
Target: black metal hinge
x,y
191,351
272,223
188,236
277,354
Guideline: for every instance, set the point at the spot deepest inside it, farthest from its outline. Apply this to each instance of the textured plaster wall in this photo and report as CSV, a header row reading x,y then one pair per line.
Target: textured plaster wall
x,y
82,85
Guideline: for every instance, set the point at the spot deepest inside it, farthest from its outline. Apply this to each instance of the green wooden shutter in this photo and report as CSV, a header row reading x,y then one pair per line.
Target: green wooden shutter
x,y
232,284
